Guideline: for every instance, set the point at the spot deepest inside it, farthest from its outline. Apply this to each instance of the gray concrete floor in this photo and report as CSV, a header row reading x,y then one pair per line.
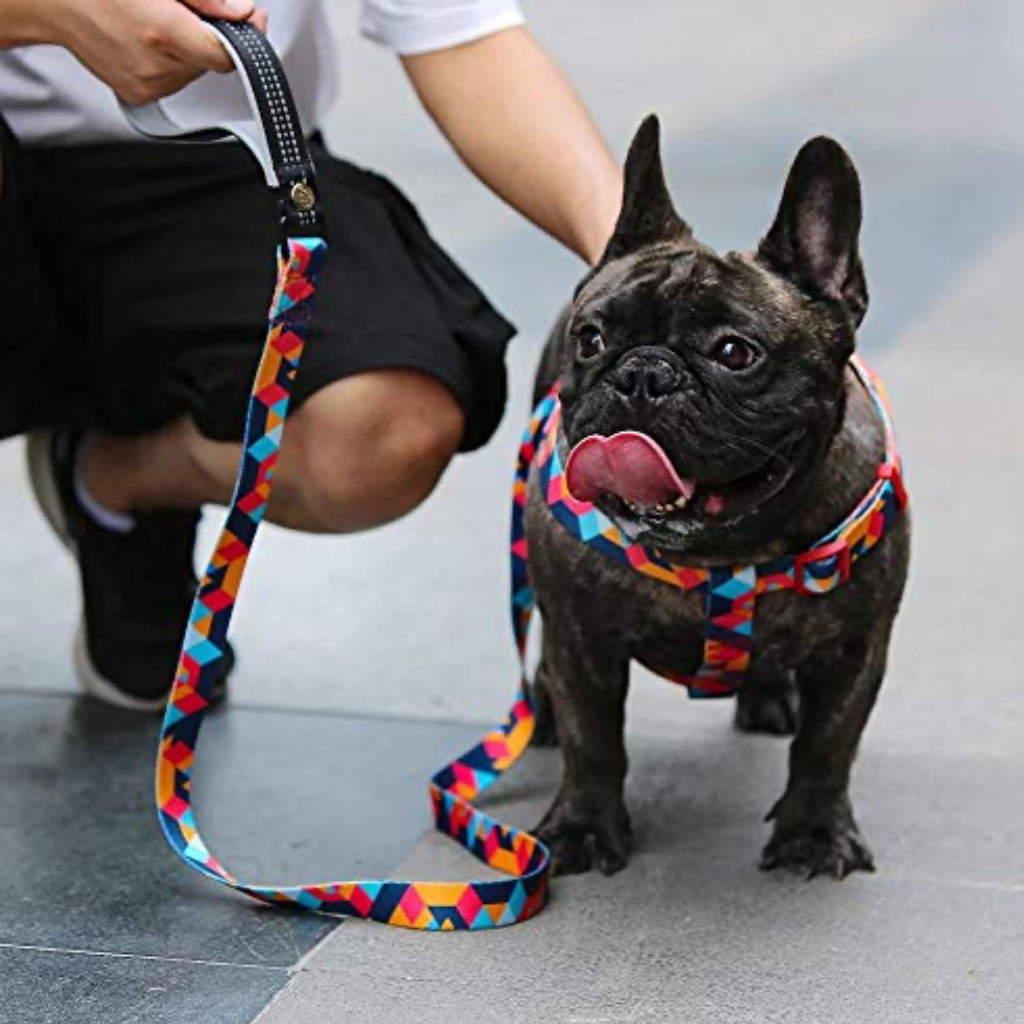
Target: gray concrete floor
x,y
927,97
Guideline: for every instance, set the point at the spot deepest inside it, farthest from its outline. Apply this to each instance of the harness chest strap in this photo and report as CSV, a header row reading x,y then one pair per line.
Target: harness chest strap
x,y
731,591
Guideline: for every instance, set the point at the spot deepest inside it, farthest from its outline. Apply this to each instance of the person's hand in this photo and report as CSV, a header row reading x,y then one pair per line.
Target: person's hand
x,y
145,49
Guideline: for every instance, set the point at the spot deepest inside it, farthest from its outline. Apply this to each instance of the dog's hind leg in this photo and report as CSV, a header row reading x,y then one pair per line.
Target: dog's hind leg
x,y
587,825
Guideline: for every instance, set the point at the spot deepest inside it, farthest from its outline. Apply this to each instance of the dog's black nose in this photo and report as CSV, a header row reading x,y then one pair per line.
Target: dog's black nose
x,y
645,377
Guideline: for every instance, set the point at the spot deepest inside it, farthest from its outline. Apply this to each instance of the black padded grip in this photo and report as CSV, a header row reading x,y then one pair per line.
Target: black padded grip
x,y
289,150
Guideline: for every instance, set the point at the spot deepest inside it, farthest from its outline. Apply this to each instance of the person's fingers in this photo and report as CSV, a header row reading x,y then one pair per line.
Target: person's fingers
x,y
192,43
213,54
259,20
168,78
232,10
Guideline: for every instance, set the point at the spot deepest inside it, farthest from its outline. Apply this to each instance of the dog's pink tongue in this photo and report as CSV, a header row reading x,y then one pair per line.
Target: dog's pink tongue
x,y
631,465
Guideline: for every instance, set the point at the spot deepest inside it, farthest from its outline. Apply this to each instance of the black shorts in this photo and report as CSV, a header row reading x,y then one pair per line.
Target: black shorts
x,y
135,281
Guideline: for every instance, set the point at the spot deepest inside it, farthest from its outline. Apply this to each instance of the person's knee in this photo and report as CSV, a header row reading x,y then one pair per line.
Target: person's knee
x,y
374,447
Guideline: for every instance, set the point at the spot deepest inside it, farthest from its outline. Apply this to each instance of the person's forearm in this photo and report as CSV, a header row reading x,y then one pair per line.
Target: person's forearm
x,y
515,120
21,23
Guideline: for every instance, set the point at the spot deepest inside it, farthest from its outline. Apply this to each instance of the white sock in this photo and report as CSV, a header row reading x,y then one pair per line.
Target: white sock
x,y
118,522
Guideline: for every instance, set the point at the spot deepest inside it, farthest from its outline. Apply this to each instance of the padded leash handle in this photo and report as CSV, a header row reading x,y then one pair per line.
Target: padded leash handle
x,y
274,134
271,130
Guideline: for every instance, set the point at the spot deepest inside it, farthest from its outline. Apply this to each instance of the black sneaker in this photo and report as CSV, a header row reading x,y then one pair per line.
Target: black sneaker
x,y
137,587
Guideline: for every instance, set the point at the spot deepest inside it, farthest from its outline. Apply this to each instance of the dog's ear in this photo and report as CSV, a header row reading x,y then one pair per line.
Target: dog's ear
x,y
647,214
815,238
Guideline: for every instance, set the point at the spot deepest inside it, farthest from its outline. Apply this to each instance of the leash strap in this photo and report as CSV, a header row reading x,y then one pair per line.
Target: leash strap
x,y
280,146
730,592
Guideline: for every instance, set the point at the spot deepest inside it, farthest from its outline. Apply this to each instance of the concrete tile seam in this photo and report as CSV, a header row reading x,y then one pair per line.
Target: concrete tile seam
x,y
299,967
300,964
301,711
277,997
117,955
421,718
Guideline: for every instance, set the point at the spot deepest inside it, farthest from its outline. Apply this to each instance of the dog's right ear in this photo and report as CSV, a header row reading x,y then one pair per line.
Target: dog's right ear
x,y
647,215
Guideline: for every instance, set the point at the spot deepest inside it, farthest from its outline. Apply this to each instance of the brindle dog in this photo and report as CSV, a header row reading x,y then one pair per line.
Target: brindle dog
x,y
737,366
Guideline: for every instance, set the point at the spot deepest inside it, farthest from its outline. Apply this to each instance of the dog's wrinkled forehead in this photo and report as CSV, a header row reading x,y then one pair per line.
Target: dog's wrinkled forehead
x,y
670,287
665,275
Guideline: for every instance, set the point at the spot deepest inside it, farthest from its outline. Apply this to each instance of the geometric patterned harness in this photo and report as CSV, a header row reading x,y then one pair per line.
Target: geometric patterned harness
x,y
732,591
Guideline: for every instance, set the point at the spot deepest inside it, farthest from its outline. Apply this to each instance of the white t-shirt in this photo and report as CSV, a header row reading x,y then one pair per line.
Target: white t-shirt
x,y
48,98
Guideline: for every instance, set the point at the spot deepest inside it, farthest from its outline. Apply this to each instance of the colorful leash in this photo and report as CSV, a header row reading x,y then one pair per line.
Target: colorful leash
x,y
278,142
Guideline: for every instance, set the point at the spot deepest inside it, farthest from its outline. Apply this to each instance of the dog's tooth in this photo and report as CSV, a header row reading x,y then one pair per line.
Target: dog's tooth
x,y
681,501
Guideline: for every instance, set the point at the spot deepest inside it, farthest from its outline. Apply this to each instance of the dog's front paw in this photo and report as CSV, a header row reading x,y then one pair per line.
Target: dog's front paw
x,y
580,842
768,707
813,848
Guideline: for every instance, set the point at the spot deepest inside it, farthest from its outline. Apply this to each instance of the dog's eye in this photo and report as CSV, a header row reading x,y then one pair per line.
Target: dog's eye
x,y
735,354
590,343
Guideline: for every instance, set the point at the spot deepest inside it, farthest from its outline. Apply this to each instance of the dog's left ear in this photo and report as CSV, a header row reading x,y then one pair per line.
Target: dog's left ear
x,y
815,238
647,214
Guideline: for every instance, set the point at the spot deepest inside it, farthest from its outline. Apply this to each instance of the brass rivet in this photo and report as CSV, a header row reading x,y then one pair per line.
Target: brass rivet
x,y
303,197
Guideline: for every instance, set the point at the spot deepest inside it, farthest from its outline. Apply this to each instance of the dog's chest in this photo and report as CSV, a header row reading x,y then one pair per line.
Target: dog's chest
x,y
662,626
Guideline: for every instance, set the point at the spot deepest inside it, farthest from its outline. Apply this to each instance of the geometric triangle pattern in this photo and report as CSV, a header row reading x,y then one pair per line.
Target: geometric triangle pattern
x,y
731,592
433,906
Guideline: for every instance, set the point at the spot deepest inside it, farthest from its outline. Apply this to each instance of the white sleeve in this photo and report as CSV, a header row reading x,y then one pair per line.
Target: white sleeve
x,y
419,26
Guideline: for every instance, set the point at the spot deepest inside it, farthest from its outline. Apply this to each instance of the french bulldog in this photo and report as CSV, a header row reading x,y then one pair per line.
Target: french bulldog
x,y
736,366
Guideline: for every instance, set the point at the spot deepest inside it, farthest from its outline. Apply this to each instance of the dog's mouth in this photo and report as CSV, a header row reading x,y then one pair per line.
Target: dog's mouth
x,y
631,473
